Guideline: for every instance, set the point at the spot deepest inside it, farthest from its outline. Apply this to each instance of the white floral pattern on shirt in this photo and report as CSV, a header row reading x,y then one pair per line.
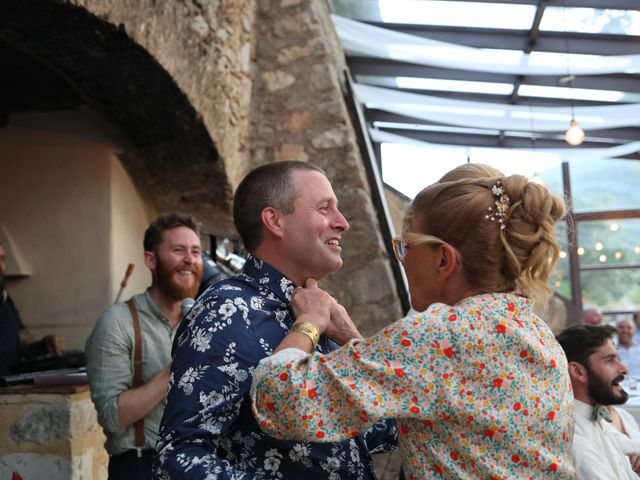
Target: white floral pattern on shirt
x,y
208,430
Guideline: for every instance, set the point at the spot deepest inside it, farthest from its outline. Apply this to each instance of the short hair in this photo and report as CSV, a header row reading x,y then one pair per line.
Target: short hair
x,y
625,320
587,310
269,185
166,221
518,257
579,342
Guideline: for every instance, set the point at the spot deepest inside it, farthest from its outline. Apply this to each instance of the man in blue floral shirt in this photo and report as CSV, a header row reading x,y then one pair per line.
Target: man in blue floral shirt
x,y
287,215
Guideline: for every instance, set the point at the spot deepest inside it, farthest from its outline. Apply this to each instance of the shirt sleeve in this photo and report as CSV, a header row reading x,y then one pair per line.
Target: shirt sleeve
x,y
213,361
16,313
382,437
109,369
336,396
588,462
629,443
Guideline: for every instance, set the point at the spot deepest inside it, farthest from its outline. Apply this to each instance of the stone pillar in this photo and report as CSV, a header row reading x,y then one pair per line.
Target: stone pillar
x,y
299,113
53,431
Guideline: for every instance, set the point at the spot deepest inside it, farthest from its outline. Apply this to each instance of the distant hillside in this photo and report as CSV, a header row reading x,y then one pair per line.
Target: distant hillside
x,y
599,185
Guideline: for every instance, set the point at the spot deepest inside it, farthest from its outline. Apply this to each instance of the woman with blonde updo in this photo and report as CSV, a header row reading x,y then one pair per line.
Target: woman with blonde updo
x,y
477,382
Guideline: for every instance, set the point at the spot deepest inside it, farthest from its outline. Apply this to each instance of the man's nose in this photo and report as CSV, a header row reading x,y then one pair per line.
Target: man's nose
x,y
339,222
623,369
190,257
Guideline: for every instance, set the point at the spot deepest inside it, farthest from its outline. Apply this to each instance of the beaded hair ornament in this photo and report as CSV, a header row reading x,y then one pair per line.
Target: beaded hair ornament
x,y
500,208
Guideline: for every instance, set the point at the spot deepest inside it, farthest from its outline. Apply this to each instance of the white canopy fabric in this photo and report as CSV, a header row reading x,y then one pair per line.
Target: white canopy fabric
x,y
563,153
495,116
364,39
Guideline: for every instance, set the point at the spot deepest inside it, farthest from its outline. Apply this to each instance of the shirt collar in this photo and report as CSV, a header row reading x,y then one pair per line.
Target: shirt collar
x,y
582,409
151,306
508,305
268,277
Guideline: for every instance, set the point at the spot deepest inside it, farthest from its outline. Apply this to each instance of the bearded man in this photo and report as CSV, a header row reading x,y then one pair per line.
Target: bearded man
x,y
596,376
129,349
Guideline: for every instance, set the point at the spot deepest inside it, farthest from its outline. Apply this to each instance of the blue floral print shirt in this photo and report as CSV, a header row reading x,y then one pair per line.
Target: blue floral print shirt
x,y
208,430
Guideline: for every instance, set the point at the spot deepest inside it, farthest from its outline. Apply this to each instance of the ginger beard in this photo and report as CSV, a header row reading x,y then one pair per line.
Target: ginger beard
x,y
171,286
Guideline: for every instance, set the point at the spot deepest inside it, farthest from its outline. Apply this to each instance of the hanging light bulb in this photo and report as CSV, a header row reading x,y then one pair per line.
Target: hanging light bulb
x,y
574,135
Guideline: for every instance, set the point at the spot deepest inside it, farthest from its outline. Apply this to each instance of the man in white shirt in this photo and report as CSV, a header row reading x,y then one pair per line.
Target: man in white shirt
x,y
596,372
628,347
636,321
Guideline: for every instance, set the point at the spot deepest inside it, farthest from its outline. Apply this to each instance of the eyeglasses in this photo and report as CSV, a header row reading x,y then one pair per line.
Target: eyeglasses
x,y
401,242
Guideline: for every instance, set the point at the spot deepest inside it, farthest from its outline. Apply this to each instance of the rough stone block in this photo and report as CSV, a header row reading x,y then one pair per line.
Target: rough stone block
x,y
289,151
200,26
31,466
277,80
296,121
41,424
335,137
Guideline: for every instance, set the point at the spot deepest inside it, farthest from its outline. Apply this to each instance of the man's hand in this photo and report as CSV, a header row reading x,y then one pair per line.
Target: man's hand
x,y
634,458
54,344
313,305
136,403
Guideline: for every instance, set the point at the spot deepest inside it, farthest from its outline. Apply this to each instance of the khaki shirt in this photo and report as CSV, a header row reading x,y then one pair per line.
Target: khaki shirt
x,y
109,351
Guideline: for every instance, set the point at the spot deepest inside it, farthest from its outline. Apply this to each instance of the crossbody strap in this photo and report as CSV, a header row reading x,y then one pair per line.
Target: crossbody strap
x,y
137,372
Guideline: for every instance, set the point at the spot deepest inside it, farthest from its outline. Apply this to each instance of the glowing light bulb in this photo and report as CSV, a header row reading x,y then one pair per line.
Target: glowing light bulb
x,y
574,135
599,246
580,251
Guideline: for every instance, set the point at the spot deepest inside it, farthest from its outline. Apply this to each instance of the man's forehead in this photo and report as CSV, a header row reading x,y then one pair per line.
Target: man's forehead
x,y
313,183
180,235
311,176
605,350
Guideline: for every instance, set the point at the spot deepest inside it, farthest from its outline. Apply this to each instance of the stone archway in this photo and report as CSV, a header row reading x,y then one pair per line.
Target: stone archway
x,y
167,151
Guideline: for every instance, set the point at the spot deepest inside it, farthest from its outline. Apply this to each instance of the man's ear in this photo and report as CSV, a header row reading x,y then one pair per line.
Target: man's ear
x,y
272,221
150,260
578,372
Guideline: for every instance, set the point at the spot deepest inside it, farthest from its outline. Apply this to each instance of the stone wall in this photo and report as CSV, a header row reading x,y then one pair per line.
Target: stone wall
x,y
204,90
299,113
206,47
266,78
54,432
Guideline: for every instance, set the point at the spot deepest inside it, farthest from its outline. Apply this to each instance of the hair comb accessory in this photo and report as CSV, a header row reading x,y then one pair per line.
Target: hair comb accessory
x,y
500,208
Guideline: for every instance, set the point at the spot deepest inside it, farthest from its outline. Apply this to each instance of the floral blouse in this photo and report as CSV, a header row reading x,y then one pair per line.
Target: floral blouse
x,y
480,390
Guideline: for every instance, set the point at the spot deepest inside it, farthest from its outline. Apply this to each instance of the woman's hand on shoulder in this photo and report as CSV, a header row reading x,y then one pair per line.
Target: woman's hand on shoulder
x,y
341,328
